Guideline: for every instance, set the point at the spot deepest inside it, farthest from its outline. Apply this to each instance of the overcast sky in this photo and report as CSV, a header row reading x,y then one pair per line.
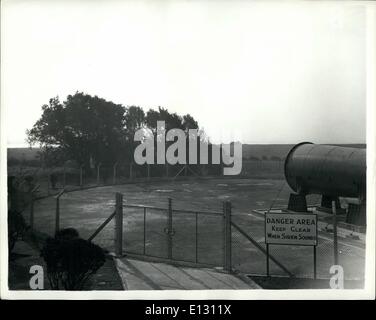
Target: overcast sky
x,y
262,73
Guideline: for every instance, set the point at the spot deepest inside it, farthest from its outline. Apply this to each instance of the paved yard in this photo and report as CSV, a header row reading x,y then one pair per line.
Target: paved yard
x,y
143,275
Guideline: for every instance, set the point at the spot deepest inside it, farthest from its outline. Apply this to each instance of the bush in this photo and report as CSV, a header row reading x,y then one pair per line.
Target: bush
x,y
71,260
16,228
67,234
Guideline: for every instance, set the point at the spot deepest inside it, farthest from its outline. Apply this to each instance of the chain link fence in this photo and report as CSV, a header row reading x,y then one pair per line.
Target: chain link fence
x,y
51,180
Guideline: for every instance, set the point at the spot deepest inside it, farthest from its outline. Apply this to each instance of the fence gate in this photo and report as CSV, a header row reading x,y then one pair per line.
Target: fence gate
x,y
176,235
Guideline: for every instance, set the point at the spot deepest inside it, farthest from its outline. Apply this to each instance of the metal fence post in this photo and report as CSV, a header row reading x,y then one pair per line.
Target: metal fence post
x,y
57,215
81,177
131,171
64,176
335,240
227,236
57,211
114,174
32,213
119,225
148,166
169,229
144,251
48,183
196,237
32,207
98,173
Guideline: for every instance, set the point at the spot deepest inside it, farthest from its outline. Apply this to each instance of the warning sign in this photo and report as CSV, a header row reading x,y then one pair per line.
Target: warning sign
x,y
291,228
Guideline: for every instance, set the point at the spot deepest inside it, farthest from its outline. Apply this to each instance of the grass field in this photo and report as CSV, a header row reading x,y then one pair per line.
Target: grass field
x,y
249,150
85,210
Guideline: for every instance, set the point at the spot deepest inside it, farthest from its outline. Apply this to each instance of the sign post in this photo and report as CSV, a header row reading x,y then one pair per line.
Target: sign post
x,y
267,259
291,229
314,263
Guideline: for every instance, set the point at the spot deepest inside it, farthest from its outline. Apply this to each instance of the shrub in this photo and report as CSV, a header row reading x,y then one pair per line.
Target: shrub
x,y
67,234
16,228
71,260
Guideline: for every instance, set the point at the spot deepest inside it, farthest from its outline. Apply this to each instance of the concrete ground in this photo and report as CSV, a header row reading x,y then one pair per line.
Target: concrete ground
x,y
23,257
144,275
275,283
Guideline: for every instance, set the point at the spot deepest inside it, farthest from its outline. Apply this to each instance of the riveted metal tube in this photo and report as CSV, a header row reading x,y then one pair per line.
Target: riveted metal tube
x,y
326,169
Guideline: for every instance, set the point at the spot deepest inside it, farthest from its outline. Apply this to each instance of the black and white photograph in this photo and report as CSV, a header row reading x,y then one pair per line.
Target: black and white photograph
x,y
186,149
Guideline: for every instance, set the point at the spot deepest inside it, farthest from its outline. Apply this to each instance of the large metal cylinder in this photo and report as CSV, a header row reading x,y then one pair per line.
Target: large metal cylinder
x,y
327,170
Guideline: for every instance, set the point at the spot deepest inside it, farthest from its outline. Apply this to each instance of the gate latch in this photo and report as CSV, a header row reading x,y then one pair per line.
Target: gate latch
x,y
169,232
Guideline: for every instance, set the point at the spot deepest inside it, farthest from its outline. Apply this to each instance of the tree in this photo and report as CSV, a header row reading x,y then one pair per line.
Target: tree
x,y
189,122
83,128
91,130
172,120
134,120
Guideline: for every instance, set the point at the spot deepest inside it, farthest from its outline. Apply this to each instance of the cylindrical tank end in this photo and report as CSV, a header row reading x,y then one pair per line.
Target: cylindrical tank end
x,y
293,186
